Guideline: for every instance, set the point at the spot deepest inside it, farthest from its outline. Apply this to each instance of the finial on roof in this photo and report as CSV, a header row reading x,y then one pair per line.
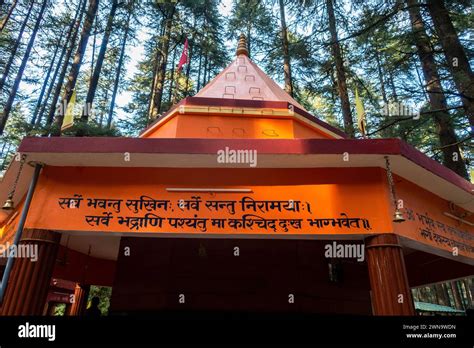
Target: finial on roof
x,y
242,46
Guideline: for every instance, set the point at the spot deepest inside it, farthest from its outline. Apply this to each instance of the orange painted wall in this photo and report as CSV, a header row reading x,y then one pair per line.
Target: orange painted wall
x,y
443,232
193,126
9,226
205,126
304,132
167,130
330,192
362,192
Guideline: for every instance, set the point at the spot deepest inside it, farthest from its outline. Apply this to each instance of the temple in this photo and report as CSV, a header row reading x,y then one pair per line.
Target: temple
x,y
237,199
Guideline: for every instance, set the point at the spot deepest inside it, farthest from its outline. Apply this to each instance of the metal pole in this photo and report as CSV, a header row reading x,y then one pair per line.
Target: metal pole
x,y
19,231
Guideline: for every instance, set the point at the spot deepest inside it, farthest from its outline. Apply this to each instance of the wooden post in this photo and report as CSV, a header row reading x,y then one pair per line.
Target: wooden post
x,y
391,294
81,294
28,285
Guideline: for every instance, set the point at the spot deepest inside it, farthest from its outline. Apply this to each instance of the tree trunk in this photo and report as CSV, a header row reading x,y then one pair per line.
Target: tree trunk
x,y
210,72
160,81
249,39
7,17
100,61
420,80
156,68
340,72
456,295
392,86
198,87
469,290
74,31
156,64
333,83
205,68
426,294
190,56
4,162
380,74
170,94
76,65
102,114
55,75
421,295
434,295
415,294
286,54
21,69
11,58
3,148
447,137
441,294
94,40
458,63
45,82
119,69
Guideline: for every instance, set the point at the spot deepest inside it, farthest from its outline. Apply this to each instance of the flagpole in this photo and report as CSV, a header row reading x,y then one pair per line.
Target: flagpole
x,y
175,83
184,59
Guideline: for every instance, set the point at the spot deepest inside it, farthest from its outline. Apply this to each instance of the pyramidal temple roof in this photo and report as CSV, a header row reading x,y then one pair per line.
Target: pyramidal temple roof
x,y
243,79
243,91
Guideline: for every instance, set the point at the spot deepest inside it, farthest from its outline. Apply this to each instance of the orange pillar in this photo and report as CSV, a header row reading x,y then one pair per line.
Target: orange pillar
x,y
391,294
81,293
28,285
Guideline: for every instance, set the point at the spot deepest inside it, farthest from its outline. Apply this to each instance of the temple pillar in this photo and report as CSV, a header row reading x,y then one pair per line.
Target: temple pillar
x,y
28,286
391,294
81,294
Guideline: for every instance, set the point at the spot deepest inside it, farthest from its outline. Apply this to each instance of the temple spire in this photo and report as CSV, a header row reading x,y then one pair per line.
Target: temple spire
x,y
242,46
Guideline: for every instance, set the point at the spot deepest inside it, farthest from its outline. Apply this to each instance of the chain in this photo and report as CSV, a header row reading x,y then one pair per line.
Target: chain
x,y
15,183
390,181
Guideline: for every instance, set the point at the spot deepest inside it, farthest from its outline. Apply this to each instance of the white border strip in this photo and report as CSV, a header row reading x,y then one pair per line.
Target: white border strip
x,y
187,189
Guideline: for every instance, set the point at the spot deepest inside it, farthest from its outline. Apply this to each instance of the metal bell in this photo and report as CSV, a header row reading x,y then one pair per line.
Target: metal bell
x,y
398,216
8,204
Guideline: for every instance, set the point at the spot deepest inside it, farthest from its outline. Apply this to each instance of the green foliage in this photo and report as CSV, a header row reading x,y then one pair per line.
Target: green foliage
x,y
254,19
91,129
104,293
60,310
375,37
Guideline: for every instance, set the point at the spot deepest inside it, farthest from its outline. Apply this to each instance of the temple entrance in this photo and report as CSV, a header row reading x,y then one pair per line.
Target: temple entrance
x,y
238,275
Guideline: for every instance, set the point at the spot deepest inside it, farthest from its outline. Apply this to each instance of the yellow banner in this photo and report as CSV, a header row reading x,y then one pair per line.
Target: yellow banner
x,y
68,120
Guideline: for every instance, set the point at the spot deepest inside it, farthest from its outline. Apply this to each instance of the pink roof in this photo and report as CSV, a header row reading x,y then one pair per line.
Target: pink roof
x,y
243,79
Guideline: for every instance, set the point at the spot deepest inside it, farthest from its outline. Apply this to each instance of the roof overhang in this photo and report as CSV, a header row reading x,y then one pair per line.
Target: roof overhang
x,y
406,161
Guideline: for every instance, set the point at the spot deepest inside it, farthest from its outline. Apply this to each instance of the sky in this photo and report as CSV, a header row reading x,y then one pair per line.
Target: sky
x,y
136,53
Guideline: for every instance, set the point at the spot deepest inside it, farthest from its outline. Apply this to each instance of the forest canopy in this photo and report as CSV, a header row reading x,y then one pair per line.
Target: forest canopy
x,y
406,63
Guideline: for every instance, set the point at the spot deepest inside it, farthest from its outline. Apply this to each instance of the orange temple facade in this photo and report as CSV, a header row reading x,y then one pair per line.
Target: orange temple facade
x,y
230,202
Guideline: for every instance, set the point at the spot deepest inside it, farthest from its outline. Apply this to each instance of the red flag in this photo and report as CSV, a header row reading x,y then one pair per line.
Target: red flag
x,y
184,56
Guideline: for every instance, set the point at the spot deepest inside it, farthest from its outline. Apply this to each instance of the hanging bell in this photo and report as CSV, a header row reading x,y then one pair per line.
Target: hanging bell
x,y
8,203
398,216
